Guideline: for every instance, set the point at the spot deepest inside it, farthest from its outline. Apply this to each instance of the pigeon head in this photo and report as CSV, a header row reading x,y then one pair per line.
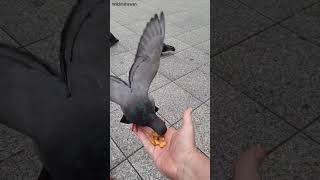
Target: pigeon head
x,y
144,114
157,124
137,106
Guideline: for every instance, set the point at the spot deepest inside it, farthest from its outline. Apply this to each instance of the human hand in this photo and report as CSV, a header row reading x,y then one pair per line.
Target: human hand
x,y
179,150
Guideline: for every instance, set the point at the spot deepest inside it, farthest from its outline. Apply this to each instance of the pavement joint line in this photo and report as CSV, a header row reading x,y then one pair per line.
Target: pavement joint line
x,y
283,19
290,16
12,37
12,155
197,69
193,109
275,23
244,40
259,103
181,119
301,37
311,138
120,151
189,92
135,168
140,34
126,158
46,65
39,40
310,123
281,143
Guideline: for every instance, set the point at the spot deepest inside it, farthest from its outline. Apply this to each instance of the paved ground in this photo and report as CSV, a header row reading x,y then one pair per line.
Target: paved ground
x,y
266,85
265,80
183,79
33,26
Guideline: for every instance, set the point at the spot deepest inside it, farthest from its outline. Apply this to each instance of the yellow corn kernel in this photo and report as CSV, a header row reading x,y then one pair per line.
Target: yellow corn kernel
x,y
162,144
157,142
153,142
154,134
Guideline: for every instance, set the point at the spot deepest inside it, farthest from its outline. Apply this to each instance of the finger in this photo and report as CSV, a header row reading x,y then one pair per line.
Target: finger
x,y
260,154
144,138
134,128
187,119
169,134
147,131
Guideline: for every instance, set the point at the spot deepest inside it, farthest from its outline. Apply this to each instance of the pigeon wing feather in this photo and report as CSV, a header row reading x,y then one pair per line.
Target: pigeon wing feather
x,y
119,91
147,59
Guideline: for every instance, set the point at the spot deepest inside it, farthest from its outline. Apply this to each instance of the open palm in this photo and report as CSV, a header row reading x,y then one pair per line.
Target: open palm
x,y
180,145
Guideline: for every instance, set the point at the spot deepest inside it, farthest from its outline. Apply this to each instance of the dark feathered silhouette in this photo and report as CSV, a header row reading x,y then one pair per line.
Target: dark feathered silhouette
x,y
167,48
138,107
113,40
64,115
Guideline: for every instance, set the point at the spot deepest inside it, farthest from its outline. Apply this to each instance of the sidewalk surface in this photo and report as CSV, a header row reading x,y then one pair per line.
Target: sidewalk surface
x,y
266,85
183,78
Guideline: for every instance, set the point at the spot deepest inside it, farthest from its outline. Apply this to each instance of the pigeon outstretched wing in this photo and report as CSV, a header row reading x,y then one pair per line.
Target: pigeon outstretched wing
x,y
28,92
147,60
119,91
84,43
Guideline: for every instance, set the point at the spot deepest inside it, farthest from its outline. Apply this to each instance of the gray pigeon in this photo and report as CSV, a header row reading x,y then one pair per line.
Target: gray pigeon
x,y
138,107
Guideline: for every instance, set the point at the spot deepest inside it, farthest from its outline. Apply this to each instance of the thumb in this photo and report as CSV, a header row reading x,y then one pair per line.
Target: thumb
x,y
144,138
187,120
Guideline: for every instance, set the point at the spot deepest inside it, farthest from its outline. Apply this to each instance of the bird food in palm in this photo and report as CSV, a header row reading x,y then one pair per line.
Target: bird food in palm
x,y
158,140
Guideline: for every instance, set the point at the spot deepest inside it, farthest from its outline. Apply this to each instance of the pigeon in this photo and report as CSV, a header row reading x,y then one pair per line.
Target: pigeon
x,y
167,48
113,40
136,104
64,114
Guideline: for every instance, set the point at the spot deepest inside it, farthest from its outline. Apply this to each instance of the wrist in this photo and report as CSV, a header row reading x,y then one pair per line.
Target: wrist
x,y
190,160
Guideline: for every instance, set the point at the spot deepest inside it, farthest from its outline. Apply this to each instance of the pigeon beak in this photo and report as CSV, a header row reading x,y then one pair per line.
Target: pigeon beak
x,y
158,126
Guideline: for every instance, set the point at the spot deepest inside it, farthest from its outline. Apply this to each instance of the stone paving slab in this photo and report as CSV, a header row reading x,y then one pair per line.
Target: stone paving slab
x,y
125,171
238,124
277,69
172,101
48,51
196,36
121,64
29,21
11,142
234,22
122,135
296,159
204,47
5,39
116,155
24,164
174,67
145,166
185,20
9,170
222,92
314,131
197,83
306,24
278,9
201,124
